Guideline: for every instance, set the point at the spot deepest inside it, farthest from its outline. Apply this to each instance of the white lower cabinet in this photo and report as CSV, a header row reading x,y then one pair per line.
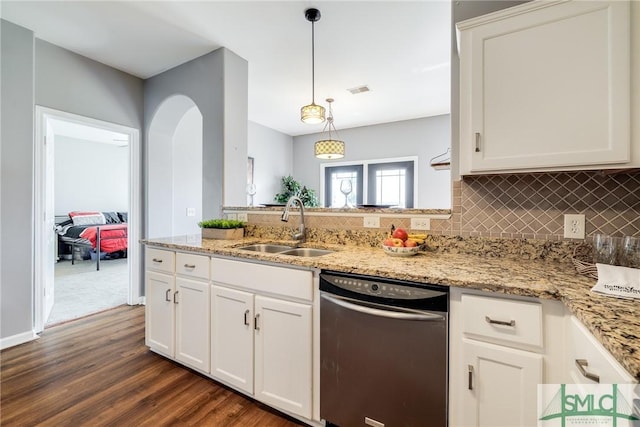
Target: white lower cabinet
x,y
500,349
177,307
501,385
262,333
160,316
283,353
192,323
587,360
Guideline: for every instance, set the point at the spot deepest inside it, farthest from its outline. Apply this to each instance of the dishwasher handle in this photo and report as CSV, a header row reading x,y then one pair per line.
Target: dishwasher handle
x,y
350,304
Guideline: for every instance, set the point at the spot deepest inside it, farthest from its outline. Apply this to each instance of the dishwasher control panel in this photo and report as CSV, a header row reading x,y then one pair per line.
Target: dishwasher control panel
x,y
379,288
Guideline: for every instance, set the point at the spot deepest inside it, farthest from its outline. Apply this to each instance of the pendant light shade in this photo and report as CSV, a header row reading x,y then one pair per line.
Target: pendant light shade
x,y
312,113
330,147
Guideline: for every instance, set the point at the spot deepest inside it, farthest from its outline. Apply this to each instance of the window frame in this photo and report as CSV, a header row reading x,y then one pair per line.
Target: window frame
x,y
365,184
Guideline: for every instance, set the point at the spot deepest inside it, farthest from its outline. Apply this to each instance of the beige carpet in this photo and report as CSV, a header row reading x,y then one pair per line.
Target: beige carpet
x,y
81,290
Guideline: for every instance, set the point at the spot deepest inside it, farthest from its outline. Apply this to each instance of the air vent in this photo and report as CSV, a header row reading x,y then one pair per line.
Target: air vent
x,y
359,89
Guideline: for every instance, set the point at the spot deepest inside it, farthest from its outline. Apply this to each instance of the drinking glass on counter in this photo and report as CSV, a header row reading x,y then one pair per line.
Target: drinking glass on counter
x,y
604,249
630,252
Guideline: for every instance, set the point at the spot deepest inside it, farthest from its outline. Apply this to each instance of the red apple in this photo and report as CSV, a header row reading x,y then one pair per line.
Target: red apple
x,y
388,242
400,233
410,243
397,242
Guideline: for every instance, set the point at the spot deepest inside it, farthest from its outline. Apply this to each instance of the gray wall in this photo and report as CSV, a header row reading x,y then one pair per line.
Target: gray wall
x,y
16,174
223,105
426,138
273,158
90,176
64,81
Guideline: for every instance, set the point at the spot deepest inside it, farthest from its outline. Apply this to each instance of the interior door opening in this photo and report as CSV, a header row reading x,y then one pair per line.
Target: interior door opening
x,y
87,191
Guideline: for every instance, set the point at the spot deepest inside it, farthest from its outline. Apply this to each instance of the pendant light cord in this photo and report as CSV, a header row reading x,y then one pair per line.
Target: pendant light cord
x,y
313,63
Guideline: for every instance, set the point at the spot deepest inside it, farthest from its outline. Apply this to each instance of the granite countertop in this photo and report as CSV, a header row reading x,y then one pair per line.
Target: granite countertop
x,y
613,321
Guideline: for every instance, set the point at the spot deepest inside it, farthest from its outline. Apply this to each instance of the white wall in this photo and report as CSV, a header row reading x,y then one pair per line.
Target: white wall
x,y
90,176
273,158
426,138
187,173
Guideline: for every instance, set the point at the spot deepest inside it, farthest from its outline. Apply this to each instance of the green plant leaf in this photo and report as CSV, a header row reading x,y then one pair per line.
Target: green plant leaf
x,y
221,223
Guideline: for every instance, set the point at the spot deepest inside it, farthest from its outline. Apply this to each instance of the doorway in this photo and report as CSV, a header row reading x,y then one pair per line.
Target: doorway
x,y
67,128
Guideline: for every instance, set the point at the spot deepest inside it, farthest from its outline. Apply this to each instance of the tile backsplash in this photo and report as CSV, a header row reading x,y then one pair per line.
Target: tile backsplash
x,y
532,206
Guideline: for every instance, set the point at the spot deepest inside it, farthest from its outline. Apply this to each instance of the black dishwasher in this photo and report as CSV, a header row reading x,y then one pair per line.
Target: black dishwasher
x,y
383,351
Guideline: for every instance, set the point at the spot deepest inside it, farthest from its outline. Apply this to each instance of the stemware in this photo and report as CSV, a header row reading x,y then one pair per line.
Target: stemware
x,y
604,249
346,188
251,191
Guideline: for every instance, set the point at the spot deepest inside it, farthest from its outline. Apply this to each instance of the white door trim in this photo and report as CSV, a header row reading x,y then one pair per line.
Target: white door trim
x,y
42,114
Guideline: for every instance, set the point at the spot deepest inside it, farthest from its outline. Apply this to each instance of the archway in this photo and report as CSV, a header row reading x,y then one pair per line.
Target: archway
x,y
174,177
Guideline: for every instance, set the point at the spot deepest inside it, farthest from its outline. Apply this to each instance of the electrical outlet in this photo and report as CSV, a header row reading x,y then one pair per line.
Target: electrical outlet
x,y
231,216
420,223
242,216
574,226
371,221
191,211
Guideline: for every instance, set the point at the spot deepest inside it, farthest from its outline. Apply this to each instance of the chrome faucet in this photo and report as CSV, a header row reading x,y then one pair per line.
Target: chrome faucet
x,y
301,234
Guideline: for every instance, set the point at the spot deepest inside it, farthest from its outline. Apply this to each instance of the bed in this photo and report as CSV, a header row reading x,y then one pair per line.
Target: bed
x,y
104,233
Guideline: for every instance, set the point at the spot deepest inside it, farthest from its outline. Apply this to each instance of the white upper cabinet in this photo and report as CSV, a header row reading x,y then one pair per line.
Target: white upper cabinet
x,y
546,86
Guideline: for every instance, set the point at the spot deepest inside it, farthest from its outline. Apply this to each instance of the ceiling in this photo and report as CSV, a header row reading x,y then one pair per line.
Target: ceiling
x,y
399,49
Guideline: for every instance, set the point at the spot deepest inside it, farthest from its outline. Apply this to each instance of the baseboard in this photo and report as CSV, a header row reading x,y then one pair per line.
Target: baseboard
x,y
18,339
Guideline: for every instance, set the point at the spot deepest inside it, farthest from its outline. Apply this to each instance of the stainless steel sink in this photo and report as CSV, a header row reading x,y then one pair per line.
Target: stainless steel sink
x,y
306,252
267,248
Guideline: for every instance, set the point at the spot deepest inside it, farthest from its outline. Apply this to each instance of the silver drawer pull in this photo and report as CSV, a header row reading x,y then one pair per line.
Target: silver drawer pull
x,y
189,266
499,322
581,363
157,260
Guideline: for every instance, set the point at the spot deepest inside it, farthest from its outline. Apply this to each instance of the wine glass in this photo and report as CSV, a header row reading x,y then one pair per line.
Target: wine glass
x,y
346,188
251,191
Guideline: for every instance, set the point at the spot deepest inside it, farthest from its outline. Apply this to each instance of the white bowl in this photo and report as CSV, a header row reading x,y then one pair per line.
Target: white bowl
x,y
400,250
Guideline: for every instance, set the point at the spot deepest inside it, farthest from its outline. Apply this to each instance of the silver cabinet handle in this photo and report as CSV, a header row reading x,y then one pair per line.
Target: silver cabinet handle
x,y
499,322
246,317
175,295
157,260
470,386
189,266
581,363
255,322
477,142
166,295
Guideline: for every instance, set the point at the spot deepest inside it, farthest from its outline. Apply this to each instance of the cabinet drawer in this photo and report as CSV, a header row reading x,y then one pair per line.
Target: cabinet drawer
x,y
263,278
192,265
505,321
160,260
594,358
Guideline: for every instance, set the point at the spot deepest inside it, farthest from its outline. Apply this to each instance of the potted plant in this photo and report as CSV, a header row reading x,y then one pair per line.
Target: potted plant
x,y
222,229
291,187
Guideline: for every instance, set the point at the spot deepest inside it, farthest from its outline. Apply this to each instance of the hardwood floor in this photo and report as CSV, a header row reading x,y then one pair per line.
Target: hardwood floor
x,y
96,371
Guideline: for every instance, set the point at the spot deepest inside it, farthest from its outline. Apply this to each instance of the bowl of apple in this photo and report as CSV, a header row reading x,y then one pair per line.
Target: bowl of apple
x,y
402,244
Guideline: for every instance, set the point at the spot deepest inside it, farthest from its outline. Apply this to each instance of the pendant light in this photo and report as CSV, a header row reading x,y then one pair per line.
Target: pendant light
x,y
312,113
329,148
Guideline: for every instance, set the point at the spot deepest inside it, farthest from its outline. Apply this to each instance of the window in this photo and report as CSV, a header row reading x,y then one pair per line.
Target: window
x,y
379,182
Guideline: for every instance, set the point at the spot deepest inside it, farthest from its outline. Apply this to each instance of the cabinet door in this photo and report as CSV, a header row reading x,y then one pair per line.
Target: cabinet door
x,y
232,337
546,88
283,364
159,312
502,388
192,323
